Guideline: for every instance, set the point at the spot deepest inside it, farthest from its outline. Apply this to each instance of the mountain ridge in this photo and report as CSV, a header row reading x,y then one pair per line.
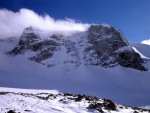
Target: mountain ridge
x,y
101,46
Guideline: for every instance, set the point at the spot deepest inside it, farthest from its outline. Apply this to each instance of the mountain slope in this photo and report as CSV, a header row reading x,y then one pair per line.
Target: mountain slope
x,y
69,71
40,101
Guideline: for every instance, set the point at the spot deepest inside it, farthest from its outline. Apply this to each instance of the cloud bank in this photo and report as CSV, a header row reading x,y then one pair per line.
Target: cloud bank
x,y
13,23
146,42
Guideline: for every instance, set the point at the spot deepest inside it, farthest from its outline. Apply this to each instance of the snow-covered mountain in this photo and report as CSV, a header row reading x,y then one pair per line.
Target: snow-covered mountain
x,y
101,46
98,62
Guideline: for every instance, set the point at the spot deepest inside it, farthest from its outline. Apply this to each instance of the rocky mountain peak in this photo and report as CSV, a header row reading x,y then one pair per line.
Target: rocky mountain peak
x,y
102,46
105,43
101,33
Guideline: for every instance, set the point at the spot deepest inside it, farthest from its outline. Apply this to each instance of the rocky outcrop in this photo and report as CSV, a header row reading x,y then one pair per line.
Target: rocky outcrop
x,y
130,59
30,41
27,39
84,102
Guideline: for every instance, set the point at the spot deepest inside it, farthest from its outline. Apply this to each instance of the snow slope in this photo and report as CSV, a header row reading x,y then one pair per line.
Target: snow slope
x,y
41,101
143,48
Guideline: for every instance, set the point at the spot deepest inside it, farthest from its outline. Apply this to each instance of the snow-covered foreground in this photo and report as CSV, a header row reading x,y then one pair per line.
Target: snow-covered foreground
x,y
51,101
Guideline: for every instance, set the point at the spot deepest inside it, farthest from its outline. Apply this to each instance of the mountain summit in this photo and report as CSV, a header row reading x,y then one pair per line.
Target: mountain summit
x,y
100,45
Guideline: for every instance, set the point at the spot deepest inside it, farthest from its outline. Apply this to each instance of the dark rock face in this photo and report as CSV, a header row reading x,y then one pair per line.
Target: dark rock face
x,y
27,39
30,41
104,42
130,59
110,105
11,111
105,39
44,50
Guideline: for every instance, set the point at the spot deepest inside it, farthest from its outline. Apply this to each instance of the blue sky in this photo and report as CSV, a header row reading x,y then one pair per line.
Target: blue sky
x,y
132,17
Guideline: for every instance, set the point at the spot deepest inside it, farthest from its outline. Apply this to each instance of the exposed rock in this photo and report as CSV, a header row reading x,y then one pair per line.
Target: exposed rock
x,y
110,105
130,59
104,42
27,39
30,41
79,98
11,111
96,106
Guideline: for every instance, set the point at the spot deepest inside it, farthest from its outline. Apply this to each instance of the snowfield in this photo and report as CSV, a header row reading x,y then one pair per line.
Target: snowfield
x,y
50,101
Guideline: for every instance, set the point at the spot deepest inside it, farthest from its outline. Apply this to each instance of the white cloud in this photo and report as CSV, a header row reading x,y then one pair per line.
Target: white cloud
x,y
146,42
13,23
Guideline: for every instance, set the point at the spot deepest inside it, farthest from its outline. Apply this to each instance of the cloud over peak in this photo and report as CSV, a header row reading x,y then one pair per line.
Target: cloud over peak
x,y
13,23
146,42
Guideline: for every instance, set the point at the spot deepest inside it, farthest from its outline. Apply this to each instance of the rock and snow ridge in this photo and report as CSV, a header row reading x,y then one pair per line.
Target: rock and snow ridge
x,y
40,101
75,65
101,45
